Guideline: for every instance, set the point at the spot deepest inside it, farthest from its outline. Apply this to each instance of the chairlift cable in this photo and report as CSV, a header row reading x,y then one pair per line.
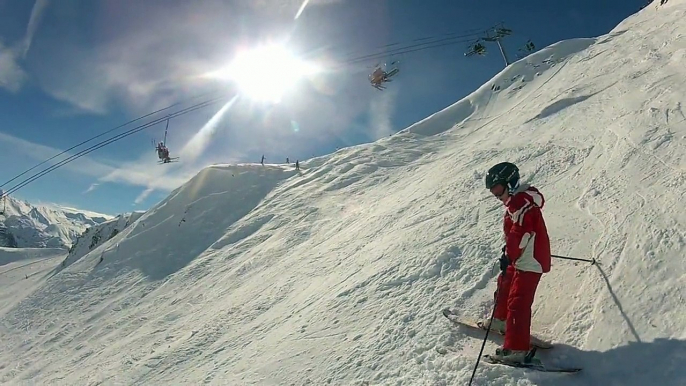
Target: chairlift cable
x,y
443,42
100,135
107,142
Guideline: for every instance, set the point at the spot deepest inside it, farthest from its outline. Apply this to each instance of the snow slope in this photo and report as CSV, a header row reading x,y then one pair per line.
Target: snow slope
x,y
43,226
98,235
22,270
336,274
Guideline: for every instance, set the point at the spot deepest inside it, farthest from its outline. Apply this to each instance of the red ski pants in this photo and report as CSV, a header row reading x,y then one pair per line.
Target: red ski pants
x,y
516,290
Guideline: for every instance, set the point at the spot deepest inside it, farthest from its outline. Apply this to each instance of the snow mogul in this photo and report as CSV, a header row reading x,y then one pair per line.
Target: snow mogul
x,y
525,257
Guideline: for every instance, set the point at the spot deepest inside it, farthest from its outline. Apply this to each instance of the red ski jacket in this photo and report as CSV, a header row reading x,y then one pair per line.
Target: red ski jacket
x,y
526,238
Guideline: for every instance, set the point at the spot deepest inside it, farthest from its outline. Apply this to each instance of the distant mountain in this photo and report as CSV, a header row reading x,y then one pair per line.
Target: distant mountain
x,y
23,225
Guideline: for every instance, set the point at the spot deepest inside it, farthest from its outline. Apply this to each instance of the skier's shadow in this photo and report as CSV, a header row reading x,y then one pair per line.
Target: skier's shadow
x,y
659,362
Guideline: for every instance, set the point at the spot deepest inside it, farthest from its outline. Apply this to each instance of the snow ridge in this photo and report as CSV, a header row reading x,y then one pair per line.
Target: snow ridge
x,y
97,235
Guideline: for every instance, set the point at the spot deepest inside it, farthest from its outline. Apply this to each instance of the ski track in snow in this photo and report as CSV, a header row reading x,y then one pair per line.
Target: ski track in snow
x,y
337,273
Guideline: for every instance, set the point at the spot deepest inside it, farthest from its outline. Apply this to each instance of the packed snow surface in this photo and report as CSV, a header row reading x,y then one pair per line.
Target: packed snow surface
x,y
337,273
22,270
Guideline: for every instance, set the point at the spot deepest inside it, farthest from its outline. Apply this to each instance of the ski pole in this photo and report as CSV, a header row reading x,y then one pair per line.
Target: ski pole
x,y
592,261
488,329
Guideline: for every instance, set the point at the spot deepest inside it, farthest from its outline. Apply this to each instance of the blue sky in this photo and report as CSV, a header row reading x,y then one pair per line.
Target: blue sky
x,y
72,69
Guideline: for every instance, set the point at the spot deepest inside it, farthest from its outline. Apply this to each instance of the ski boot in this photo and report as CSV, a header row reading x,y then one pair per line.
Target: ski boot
x,y
518,357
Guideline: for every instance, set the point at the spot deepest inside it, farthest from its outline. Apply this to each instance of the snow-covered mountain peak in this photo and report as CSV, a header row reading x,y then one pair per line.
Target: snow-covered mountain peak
x,y
36,226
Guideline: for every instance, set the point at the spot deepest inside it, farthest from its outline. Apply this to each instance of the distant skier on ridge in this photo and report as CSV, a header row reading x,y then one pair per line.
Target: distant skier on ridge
x,y
525,257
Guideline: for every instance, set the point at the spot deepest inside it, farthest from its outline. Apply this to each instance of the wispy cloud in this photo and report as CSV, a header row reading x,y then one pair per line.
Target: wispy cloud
x,y
12,76
36,15
163,178
301,9
147,56
85,165
381,111
144,194
201,139
305,3
143,172
91,188
147,174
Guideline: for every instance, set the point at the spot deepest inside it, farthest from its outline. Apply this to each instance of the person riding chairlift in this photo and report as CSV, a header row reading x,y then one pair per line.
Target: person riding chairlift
x,y
162,152
377,77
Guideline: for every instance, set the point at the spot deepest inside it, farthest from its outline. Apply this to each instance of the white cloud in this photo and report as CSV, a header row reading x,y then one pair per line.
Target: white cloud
x,y
198,143
144,194
144,172
12,76
143,62
84,165
148,174
36,15
91,188
152,56
381,111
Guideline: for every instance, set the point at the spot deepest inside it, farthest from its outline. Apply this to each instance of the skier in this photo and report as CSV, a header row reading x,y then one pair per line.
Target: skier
x,y
525,257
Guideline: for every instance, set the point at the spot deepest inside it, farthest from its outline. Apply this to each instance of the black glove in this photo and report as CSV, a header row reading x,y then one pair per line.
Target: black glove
x,y
504,263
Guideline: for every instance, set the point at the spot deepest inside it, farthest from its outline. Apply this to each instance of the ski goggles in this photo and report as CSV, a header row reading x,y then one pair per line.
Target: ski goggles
x,y
498,190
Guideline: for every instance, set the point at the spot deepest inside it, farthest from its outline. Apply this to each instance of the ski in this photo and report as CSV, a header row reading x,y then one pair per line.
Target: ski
x,y
537,367
454,318
392,72
175,159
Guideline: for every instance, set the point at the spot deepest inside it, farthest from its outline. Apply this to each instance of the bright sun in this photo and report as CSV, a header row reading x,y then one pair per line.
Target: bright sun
x,y
266,73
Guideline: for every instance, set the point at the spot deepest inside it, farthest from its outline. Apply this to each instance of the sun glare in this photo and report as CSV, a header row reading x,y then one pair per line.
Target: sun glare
x,y
266,73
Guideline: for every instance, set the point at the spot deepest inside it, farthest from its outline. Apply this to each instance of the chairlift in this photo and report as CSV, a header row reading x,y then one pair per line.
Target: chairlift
x,y
476,48
382,74
162,149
